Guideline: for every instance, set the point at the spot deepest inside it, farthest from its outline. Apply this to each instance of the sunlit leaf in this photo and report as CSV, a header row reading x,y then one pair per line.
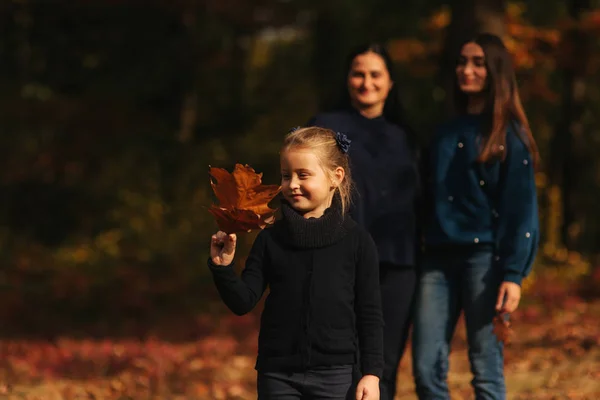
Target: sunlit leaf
x,y
243,199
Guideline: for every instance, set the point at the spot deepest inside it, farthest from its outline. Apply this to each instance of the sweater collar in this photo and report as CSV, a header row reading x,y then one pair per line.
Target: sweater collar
x,y
308,233
359,116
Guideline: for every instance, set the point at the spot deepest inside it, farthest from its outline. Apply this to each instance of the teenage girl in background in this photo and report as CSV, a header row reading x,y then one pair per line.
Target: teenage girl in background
x,y
482,234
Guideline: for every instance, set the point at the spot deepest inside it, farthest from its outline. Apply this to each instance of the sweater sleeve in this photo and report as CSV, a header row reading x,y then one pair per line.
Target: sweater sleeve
x,y
241,294
369,316
518,222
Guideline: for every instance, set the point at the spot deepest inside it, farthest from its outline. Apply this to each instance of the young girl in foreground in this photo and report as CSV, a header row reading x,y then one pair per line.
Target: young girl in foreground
x,y
323,275
482,236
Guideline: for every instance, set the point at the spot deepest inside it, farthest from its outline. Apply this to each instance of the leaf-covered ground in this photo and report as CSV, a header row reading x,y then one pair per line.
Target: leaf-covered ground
x,y
555,354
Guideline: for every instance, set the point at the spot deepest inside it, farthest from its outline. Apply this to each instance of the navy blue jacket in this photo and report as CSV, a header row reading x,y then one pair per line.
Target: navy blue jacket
x,y
493,203
386,179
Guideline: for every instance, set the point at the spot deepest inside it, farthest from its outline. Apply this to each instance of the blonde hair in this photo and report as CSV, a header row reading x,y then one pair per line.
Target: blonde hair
x,y
325,146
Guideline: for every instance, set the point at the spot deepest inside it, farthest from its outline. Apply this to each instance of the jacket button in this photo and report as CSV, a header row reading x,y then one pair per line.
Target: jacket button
x,y
476,240
460,145
528,234
450,198
525,162
481,183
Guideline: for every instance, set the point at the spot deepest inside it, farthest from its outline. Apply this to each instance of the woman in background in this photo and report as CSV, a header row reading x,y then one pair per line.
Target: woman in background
x,y
383,159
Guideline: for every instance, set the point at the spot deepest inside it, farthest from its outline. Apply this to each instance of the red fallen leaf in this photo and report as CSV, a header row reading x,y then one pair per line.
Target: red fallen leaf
x,y
243,199
502,329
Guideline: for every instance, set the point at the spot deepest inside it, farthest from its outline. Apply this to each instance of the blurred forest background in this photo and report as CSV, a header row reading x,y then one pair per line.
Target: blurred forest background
x,y
112,111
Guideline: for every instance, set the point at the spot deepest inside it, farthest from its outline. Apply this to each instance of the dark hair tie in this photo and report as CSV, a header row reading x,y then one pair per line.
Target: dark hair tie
x,y
343,142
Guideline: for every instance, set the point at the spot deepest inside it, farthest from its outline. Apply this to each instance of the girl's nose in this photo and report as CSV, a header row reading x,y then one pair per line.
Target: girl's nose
x,y
294,183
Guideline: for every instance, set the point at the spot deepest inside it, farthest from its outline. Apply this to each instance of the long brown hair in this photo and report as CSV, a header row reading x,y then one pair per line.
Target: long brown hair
x,y
503,103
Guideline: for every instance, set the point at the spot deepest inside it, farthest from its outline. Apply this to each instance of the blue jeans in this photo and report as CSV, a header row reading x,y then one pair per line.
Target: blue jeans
x,y
451,280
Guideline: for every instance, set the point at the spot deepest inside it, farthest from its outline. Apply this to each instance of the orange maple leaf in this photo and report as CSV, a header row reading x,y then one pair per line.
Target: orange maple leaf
x,y
502,329
243,199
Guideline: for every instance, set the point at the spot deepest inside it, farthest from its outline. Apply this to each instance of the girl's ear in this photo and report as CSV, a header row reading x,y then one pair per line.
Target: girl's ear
x,y
338,176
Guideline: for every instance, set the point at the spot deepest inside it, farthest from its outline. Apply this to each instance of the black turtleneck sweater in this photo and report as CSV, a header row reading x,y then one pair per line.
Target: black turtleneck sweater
x,y
324,294
384,170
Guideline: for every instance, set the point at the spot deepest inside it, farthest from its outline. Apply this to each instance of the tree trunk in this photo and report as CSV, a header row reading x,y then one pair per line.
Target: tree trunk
x,y
568,137
23,20
188,117
237,83
338,26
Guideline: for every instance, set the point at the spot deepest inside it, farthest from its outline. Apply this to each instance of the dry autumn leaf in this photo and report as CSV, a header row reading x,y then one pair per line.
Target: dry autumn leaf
x,y
502,329
243,199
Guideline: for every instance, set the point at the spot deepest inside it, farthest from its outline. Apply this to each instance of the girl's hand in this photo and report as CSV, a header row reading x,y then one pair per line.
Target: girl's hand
x,y
509,296
368,388
222,248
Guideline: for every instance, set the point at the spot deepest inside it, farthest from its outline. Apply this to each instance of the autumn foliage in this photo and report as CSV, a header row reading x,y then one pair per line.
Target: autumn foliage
x,y
243,199
103,223
554,353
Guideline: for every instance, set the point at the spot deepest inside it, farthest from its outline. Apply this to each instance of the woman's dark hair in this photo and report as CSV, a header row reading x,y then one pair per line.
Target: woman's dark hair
x,y
393,111
502,104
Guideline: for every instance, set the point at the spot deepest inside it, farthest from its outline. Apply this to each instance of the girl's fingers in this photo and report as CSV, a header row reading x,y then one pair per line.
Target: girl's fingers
x,y
221,235
230,241
360,391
